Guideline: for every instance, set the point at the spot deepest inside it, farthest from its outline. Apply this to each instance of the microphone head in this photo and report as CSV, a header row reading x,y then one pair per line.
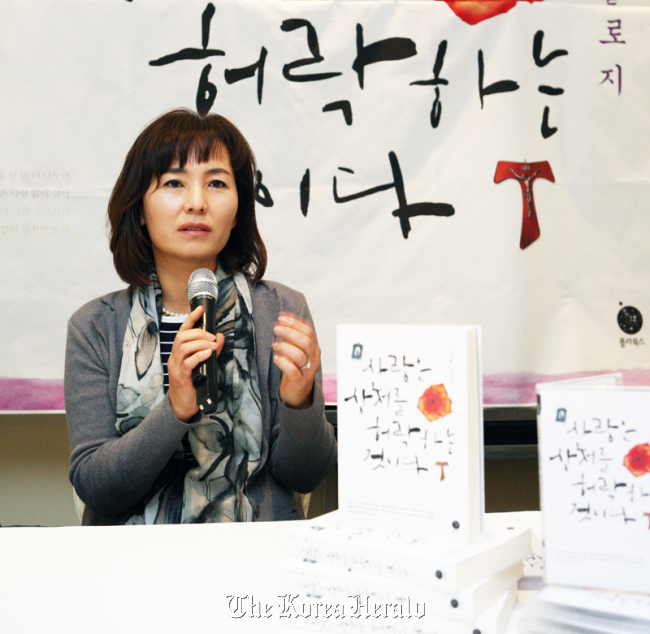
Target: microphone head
x,y
202,282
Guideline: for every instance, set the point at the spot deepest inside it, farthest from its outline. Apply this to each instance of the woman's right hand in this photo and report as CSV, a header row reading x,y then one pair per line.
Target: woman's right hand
x,y
191,347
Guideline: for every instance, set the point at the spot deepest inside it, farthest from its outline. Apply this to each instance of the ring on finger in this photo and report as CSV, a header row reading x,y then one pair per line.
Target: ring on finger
x,y
306,366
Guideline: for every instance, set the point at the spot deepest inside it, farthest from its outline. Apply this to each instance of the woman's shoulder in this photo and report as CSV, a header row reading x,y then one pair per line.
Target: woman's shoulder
x,y
112,305
289,298
265,286
270,298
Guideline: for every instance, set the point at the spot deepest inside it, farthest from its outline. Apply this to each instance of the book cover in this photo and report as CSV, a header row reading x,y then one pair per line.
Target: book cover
x,y
594,457
410,429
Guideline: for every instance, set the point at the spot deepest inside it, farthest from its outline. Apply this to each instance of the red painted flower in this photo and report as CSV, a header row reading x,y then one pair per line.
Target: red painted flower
x,y
475,11
638,460
435,402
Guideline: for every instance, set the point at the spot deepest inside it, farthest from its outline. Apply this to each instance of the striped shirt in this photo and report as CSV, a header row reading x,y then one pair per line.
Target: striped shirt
x,y
168,328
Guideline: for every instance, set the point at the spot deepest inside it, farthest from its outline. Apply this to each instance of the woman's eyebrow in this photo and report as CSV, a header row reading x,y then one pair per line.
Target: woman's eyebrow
x,y
214,170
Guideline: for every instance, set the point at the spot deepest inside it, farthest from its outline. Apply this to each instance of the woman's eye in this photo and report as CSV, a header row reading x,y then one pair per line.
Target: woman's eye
x,y
217,183
173,183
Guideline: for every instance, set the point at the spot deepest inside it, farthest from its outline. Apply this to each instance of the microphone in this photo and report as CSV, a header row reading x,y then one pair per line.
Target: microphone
x,y
202,291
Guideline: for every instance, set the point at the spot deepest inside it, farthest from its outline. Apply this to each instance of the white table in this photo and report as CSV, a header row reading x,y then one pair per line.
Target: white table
x,y
148,579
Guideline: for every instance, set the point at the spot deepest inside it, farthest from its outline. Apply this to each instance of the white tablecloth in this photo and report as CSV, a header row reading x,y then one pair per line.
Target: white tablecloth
x,y
148,579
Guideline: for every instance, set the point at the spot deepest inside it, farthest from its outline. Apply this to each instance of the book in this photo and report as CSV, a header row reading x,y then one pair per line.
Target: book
x,y
324,581
441,567
557,609
594,457
410,429
361,616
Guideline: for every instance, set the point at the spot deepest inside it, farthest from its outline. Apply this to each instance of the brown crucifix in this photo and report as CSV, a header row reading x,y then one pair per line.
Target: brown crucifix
x,y
525,173
442,466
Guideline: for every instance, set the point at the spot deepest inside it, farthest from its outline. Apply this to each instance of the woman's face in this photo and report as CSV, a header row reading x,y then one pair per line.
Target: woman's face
x,y
190,213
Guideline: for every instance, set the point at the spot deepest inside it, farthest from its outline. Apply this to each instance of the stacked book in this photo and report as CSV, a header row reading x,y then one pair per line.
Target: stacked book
x,y
408,551
366,579
566,610
594,454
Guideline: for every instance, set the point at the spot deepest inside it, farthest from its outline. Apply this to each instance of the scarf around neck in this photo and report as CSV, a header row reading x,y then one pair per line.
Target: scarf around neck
x,y
206,478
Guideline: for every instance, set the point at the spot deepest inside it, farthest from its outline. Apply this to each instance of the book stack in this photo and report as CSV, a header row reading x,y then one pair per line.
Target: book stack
x,y
408,551
560,609
594,456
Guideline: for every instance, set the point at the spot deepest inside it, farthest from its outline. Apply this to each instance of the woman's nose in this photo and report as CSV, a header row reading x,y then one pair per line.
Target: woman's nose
x,y
195,200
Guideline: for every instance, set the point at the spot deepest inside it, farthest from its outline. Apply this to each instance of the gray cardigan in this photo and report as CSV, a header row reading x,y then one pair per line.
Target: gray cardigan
x,y
112,473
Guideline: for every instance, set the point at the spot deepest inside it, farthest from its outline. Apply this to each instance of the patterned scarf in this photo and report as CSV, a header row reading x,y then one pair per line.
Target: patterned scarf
x,y
206,478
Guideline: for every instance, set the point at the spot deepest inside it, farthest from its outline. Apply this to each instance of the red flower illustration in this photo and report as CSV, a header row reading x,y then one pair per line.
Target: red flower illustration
x,y
638,460
435,402
475,11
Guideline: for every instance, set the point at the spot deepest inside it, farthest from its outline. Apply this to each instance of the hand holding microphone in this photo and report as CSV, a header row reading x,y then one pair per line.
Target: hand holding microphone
x,y
202,291
195,350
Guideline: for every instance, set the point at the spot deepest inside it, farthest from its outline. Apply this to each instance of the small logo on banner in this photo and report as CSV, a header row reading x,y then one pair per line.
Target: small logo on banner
x,y
630,320
357,351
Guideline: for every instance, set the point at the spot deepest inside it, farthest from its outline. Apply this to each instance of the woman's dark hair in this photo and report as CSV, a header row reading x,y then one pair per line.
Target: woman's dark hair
x,y
182,135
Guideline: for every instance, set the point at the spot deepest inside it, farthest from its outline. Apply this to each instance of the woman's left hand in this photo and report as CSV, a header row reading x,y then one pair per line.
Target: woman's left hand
x,y
297,354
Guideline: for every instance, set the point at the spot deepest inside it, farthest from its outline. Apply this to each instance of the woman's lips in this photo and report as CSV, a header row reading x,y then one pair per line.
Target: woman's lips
x,y
193,229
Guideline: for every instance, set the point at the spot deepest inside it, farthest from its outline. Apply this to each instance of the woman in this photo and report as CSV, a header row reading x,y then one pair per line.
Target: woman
x,y
143,452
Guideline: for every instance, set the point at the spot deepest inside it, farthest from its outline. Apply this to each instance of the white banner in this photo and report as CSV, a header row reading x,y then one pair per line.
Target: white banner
x,y
379,129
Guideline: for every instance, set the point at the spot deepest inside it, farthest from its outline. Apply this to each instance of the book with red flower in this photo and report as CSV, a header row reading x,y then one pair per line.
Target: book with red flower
x,y
594,458
410,429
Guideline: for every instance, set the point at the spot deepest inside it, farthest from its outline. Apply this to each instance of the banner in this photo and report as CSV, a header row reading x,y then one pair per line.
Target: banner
x,y
419,162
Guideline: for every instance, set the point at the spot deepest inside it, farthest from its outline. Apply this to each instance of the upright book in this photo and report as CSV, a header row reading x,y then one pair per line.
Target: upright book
x,y
594,457
410,429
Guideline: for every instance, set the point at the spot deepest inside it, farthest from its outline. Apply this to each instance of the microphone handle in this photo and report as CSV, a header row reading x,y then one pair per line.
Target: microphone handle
x,y
204,376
